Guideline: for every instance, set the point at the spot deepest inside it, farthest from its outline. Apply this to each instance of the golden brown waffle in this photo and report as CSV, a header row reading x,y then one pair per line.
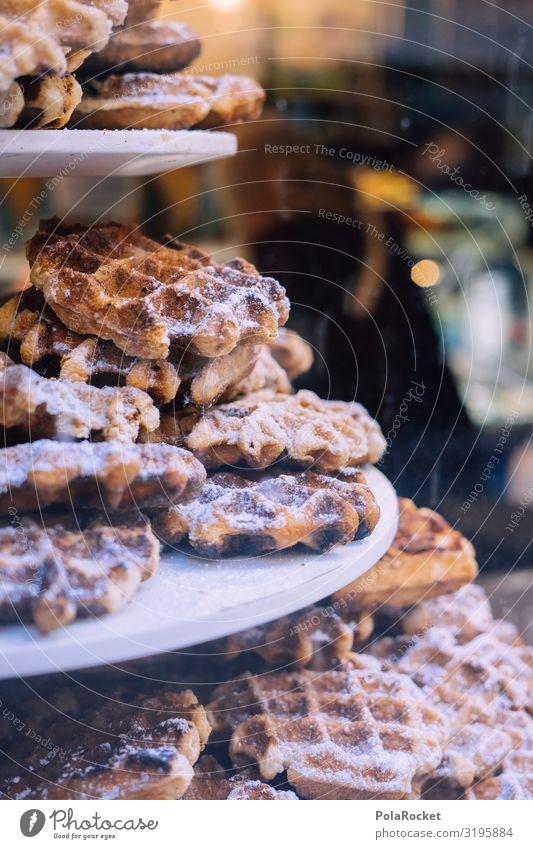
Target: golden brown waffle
x,y
159,46
37,37
236,515
292,353
32,334
283,360
142,102
52,575
233,99
115,10
427,558
516,778
478,702
49,101
472,673
197,379
167,102
144,748
265,374
265,427
115,283
475,750
76,58
105,475
481,687
207,380
354,732
466,613
506,786
212,781
11,105
37,407
506,652
315,637
95,357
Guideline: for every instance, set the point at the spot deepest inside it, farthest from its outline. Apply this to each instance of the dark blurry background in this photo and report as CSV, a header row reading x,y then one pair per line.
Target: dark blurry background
x,y
387,186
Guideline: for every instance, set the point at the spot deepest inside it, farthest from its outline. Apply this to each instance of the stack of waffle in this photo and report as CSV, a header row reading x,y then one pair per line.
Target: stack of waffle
x,y
42,45
137,81
436,704
127,368
128,63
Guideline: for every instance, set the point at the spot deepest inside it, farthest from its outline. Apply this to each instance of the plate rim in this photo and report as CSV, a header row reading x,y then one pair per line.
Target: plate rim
x,y
26,658
128,147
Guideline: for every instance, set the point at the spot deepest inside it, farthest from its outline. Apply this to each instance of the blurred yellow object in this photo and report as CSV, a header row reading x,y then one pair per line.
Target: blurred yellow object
x,y
425,273
384,190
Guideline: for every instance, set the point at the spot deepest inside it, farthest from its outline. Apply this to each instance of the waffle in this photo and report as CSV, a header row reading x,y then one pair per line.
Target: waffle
x,y
515,780
143,749
506,786
95,357
236,515
168,431
509,656
33,335
427,558
142,102
266,427
212,782
105,475
197,379
292,353
115,283
76,58
49,101
470,695
167,102
354,732
55,574
37,37
466,613
32,332
457,674
158,46
283,360
11,105
314,637
265,374
233,99
481,695
208,380
37,407
116,11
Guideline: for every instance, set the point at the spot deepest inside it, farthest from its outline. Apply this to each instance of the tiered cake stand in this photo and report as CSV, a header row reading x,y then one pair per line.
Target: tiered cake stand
x,y
189,600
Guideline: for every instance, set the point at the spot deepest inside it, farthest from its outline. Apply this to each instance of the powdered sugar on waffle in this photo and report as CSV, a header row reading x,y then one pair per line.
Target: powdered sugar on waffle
x,y
261,428
237,515
115,283
353,732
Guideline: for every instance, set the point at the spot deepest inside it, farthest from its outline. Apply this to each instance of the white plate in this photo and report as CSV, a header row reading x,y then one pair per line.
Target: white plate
x,y
102,153
190,601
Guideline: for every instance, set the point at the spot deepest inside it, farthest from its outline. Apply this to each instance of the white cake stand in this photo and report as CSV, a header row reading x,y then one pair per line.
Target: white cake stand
x,y
190,600
107,153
